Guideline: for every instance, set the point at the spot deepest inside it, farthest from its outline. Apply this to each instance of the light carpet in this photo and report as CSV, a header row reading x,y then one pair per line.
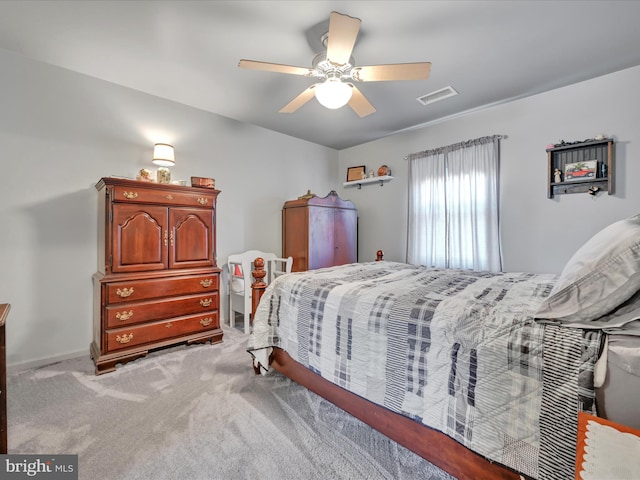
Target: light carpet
x,y
196,412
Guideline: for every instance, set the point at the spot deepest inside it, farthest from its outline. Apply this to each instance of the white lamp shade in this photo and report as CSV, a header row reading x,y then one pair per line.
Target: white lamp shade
x,y
333,93
163,155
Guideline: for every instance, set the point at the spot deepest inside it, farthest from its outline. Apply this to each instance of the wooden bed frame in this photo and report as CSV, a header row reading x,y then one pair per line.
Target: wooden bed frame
x,y
432,445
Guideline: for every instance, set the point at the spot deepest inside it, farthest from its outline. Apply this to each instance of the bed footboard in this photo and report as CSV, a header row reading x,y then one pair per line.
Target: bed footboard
x,y
257,287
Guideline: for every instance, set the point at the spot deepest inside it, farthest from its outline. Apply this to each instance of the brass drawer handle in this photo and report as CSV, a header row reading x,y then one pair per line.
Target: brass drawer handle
x,y
205,302
130,195
169,197
125,292
124,338
169,325
207,282
203,201
205,322
124,316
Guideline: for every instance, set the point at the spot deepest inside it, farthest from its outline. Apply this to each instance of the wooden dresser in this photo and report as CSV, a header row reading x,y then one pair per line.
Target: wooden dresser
x,y
158,281
319,232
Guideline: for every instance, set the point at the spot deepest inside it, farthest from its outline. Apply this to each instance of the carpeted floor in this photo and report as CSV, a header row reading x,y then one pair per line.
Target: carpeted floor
x,y
193,413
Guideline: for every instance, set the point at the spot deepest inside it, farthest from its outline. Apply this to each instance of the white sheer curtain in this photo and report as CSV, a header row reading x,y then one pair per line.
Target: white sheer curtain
x,y
453,206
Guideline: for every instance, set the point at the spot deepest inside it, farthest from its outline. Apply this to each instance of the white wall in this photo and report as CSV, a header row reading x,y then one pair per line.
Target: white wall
x,y
538,234
60,133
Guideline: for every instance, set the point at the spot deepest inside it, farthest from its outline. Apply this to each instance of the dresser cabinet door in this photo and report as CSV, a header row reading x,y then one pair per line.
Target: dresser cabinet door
x,y
191,238
139,238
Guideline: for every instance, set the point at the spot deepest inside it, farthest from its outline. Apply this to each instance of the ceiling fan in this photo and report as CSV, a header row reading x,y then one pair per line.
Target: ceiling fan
x,y
336,69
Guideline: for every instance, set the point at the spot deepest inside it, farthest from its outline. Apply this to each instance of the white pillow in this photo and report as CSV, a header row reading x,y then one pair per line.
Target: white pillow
x,y
601,275
625,319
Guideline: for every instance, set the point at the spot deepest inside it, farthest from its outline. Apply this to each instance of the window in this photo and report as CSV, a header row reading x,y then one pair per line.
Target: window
x,y
453,206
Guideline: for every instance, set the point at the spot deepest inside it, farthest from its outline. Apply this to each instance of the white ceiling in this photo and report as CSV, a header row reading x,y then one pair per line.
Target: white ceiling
x,y
188,51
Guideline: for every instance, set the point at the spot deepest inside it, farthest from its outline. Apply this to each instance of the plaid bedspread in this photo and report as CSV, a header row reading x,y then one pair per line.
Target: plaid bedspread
x,y
456,350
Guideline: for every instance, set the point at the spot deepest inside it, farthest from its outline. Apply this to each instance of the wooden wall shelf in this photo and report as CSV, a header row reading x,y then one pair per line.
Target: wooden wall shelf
x,y
559,156
367,181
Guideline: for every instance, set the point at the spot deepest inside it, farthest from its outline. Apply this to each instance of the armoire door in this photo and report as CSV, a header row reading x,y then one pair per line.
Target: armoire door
x,y
345,236
139,233
321,237
191,238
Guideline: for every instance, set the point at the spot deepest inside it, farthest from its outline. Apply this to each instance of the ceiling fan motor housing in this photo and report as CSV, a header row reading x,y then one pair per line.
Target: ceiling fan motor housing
x,y
324,68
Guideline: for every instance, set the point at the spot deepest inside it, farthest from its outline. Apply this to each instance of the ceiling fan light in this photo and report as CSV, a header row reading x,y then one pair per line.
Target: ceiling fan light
x,y
333,93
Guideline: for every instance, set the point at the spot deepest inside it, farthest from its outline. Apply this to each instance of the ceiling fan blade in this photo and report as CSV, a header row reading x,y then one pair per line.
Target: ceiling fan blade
x,y
359,103
300,100
274,67
343,31
398,71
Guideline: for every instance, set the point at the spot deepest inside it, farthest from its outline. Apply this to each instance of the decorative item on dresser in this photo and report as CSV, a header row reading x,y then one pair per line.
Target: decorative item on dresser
x,y
319,232
164,157
158,280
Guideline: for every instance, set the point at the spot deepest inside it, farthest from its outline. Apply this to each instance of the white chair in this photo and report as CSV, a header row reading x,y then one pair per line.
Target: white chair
x,y
240,279
278,266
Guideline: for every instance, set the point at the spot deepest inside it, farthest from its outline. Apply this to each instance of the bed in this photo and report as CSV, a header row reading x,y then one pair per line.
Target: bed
x,y
481,373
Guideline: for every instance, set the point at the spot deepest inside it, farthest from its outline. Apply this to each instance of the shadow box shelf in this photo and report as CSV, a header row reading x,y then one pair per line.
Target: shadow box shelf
x,y
588,164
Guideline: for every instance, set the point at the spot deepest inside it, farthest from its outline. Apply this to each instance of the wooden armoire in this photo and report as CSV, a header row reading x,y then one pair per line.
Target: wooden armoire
x,y
158,280
319,232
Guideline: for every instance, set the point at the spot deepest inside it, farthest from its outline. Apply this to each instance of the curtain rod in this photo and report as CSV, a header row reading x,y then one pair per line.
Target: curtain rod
x,y
455,146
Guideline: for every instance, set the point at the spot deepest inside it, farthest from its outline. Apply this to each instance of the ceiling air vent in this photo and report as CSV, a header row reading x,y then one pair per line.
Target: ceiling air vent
x,y
438,95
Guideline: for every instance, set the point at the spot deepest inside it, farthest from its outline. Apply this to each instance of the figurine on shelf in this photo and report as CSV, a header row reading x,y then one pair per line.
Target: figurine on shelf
x,y
557,175
384,170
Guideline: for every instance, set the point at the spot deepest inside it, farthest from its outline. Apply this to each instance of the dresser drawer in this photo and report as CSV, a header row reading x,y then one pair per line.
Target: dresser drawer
x,y
162,287
137,312
157,331
137,194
